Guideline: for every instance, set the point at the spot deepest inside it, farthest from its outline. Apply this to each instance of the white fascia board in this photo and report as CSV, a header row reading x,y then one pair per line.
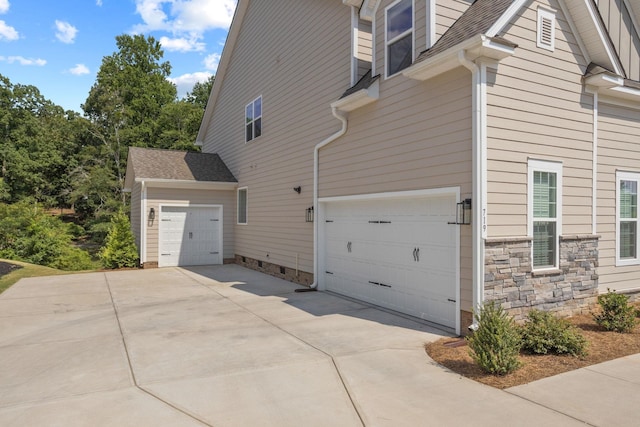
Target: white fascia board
x,y
506,17
187,185
358,99
613,87
476,47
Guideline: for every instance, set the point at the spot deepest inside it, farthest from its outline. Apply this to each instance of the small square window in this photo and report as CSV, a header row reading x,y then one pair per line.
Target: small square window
x,y
253,119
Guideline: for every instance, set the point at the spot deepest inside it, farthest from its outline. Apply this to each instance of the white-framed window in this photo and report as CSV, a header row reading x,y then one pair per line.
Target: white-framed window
x,y
545,212
253,119
546,35
399,36
243,205
627,218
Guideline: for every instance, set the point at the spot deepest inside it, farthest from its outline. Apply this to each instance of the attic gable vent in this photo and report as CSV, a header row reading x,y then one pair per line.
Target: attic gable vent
x,y
546,29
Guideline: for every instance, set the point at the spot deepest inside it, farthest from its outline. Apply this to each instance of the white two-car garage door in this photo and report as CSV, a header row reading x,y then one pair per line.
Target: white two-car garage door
x,y
190,235
398,253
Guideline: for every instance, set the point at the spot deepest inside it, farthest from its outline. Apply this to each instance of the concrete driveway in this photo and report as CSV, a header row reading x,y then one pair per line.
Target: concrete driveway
x,y
227,346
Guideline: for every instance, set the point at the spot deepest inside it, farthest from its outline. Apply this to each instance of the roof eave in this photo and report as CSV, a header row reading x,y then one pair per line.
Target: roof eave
x,y
358,99
613,86
480,46
187,184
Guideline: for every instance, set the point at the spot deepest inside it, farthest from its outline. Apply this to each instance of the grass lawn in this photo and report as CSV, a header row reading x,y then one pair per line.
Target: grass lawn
x,y
27,270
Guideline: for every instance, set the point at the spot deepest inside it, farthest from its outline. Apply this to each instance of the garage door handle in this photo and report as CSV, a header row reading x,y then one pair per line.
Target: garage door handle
x,y
451,300
418,254
349,247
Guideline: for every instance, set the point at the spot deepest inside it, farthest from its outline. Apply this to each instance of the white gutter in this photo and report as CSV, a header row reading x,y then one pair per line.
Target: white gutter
x,y
479,176
342,116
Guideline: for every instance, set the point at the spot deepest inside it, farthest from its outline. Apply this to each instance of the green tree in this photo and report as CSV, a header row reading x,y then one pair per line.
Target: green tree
x,y
120,248
178,126
199,95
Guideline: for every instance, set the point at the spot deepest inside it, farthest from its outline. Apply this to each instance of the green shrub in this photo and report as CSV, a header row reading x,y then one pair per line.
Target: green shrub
x,y
616,313
495,345
545,333
73,259
120,249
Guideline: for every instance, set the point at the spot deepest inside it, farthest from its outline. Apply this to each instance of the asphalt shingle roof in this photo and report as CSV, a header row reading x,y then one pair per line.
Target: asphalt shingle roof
x,y
151,163
477,19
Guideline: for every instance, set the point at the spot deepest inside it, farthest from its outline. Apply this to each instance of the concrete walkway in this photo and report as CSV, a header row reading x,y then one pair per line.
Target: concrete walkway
x,y
227,346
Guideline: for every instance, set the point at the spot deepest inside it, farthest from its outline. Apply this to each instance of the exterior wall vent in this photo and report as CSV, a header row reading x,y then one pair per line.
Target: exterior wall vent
x,y
546,29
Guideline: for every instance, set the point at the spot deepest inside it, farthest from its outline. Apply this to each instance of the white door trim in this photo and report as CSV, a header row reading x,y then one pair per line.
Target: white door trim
x,y
187,205
426,193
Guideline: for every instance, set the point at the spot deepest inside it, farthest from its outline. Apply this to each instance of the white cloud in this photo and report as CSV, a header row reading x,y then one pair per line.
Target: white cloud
x,y
211,61
182,44
23,61
98,2
66,32
184,16
79,70
185,82
7,32
4,6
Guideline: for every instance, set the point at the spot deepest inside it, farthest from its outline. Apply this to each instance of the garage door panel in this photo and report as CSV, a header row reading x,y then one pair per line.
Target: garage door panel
x,y
190,235
399,253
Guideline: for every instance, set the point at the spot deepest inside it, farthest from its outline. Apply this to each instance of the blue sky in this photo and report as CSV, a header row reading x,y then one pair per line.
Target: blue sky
x,y
58,45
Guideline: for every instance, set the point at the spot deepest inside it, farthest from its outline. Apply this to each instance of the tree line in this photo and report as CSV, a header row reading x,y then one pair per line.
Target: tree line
x,y
54,159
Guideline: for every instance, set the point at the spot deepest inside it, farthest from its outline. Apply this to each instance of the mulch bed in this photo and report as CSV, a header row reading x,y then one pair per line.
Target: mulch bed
x,y
453,353
6,268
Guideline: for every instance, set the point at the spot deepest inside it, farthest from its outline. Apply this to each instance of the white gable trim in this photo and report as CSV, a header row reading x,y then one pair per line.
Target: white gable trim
x,y
506,17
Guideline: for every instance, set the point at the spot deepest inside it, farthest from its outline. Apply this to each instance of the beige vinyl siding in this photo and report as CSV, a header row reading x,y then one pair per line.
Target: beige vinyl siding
x,y
626,40
618,150
537,109
299,70
164,196
134,217
416,136
448,12
364,52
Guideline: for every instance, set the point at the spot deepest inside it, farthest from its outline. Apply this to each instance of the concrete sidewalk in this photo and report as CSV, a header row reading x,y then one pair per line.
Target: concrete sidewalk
x,y
227,346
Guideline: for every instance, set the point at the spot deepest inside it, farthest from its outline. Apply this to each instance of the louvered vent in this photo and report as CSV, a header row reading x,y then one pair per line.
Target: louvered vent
x,y
546,29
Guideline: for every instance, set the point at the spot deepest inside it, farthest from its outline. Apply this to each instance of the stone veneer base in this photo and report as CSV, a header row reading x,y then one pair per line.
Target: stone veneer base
x,y
290,274
510,281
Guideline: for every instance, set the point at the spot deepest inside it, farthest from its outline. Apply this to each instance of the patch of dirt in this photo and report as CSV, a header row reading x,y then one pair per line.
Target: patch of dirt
x,y
453,353
6,268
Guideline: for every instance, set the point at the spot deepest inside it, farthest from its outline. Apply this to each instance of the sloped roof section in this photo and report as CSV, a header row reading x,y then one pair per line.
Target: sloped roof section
x,y
156,164
477,19
365,82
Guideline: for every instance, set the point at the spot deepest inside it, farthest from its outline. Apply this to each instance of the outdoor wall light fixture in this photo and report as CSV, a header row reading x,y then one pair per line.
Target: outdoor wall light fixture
x,y
152,214
463,213
309,215
297,189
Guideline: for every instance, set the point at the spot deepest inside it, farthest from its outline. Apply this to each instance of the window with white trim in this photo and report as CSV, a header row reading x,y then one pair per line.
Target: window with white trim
x,y
627,218
399,36
243,205
545,212
546,29
253,119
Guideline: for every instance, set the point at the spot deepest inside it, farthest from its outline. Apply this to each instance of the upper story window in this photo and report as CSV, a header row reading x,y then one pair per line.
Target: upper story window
x,y
399,36
545,212
627,218
546,29
253,119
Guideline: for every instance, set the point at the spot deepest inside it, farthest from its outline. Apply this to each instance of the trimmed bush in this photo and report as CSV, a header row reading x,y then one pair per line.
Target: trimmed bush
x,y
545,333
120,249
616,313
495,345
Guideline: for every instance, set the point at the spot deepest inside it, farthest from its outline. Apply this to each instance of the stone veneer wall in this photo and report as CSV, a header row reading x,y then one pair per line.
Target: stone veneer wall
x,y
286,273
571,289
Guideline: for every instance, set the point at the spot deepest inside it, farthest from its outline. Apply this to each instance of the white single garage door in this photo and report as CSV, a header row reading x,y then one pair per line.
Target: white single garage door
x,y
396,253
190,235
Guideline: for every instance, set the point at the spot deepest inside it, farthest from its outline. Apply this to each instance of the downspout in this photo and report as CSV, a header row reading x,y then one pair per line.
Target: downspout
x,y
316,155
594,167
479,185
143,222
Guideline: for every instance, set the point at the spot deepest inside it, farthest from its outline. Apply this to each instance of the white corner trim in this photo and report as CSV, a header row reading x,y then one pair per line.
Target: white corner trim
x,y
143,223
